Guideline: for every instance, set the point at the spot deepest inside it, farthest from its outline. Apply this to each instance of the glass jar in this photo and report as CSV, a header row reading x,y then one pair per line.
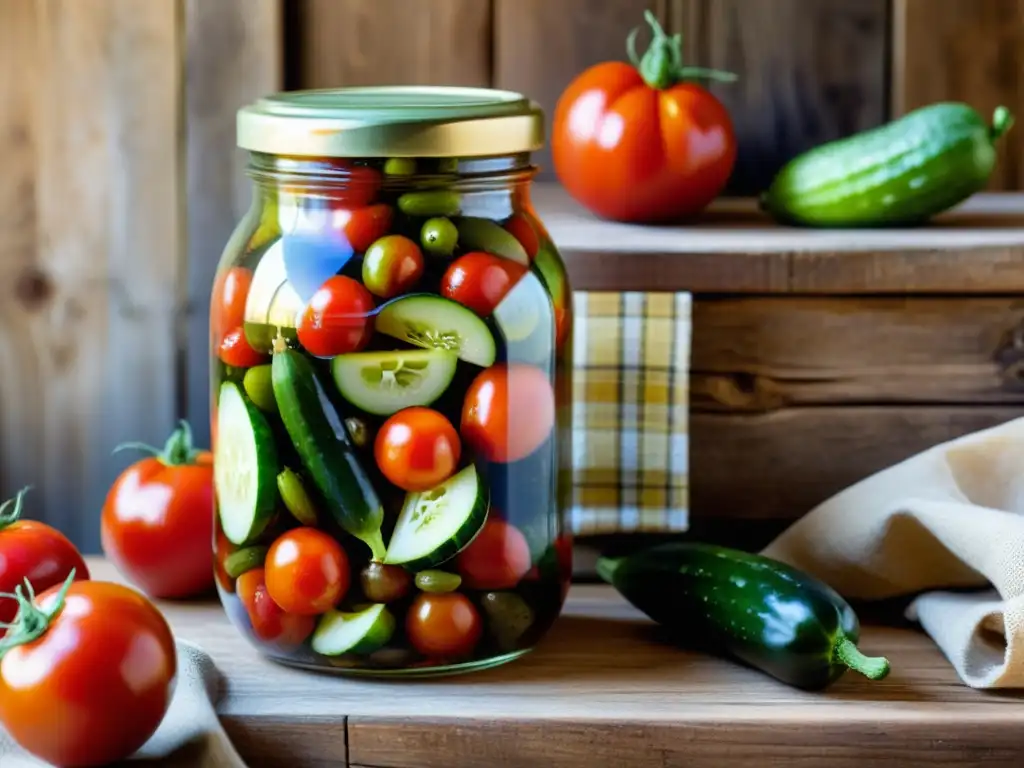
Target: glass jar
x,y
391,384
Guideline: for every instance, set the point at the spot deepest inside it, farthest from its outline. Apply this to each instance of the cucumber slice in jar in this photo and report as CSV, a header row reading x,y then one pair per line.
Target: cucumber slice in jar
x,y
383,383
436,525
434,322
360,632
245,467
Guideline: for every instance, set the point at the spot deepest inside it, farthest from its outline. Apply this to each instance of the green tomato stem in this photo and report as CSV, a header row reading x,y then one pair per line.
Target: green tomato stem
x,y
847,652
32,621
179,449
10,510
662,65
1002,121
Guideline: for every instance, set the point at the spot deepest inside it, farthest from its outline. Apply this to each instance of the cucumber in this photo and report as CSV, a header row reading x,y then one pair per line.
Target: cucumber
x,y
764,613
245,467
434,322
478,234
898,174
383,383
324,447
361,632
436,525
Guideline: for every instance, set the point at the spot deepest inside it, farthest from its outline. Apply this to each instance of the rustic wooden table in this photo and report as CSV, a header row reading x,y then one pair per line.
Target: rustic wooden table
x,y
601,690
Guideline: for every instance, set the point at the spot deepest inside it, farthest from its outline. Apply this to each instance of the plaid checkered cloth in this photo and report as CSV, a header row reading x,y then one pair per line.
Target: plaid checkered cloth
x,y
630,412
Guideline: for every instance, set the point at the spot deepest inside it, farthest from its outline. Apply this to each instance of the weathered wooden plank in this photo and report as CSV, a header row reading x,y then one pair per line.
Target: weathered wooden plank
x,y
540,46
92,244
393,42
233,56
772,353
973,52
809,71
977,248
781,464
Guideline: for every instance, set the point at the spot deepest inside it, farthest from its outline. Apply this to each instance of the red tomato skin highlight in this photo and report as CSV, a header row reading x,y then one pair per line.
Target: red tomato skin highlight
x,y
103,677
480,281
306,572
498,558
236,351
155,527
417,449
509,412
337,318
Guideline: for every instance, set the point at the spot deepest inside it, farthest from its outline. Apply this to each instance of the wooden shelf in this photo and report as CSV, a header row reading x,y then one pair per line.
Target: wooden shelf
x,y
601,690
733,248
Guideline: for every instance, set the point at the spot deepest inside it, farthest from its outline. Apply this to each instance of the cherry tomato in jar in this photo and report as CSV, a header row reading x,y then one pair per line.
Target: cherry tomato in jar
x,y
360,227
641,142
497,558
480,281
156,520
443,625
349,185
520,227
509,412
86,674
337,318
236,351
385,583
307,571
33,551
230,292
223,549
417,449
392,266
269,622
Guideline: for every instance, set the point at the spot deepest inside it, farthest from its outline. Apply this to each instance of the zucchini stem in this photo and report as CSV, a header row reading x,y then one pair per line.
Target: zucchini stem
x,y
847,652
1002,121
376,544
662,65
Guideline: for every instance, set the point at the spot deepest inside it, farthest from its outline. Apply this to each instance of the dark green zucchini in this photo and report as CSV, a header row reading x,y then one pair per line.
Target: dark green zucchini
x,y
324,446
766,614
898,174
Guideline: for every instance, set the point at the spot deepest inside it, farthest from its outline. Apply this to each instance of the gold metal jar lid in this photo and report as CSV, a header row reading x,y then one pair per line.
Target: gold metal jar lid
x,y
392,121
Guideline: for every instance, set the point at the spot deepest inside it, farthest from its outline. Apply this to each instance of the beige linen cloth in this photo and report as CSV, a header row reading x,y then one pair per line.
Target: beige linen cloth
x,y
190,735
949,518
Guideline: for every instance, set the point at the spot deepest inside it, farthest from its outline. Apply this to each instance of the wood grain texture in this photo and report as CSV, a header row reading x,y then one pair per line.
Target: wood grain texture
x,y
91,255
771,353
233,57
809,71
977,248
393,42
540,46
973,52
603,677
783,463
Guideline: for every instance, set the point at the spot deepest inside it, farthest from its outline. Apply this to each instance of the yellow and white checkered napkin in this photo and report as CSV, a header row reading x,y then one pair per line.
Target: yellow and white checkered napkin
x,y
630,412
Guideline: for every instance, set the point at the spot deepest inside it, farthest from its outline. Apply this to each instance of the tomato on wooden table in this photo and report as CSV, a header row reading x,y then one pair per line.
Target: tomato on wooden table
x,y
157,517
497,558
417,449
306,571
33,551
509,412
269,622
480,281
639,142
443,625
86,673
337,318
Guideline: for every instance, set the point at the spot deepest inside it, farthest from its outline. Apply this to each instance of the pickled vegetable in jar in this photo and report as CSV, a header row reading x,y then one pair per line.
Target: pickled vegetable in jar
x,y
391,383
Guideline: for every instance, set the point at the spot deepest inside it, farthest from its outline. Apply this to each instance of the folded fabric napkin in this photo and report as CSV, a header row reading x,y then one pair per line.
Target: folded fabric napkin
x,y
630,412
949,518
190,735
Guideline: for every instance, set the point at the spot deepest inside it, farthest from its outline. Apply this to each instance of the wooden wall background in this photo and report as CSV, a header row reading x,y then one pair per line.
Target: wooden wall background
x,y
121,182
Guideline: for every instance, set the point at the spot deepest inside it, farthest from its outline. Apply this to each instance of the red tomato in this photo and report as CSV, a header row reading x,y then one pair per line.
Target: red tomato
x,y
521,229
352,186
445,625
480,281
417,449
222,550
95,684
509,412
639,143
269,623
306,572
156,521
497,558
235,351
337,319
227,309
362,226
34,551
